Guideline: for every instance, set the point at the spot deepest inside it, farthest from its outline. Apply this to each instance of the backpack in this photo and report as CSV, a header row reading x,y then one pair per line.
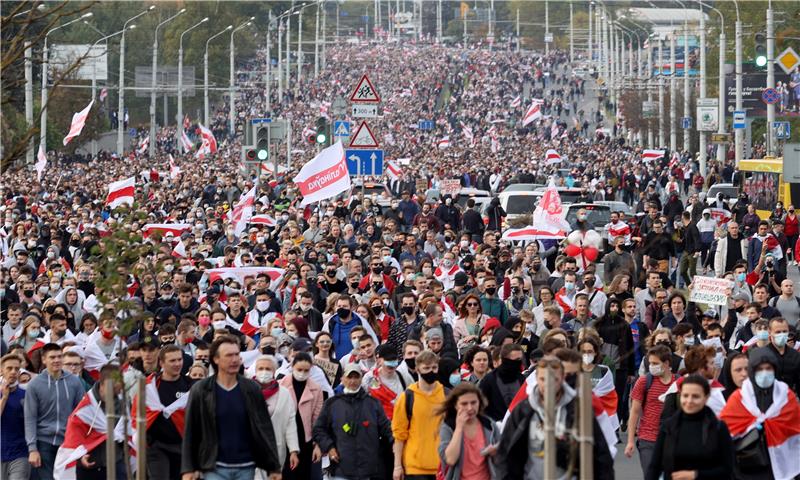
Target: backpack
x,y
648,382
410,401
774,301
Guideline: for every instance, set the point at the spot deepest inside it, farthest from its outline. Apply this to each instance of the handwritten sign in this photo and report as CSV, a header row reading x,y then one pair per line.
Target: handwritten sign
x,y
450,187
710,290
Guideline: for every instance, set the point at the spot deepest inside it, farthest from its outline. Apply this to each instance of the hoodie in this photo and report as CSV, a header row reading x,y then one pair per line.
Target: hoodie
x,y
76,309
48,404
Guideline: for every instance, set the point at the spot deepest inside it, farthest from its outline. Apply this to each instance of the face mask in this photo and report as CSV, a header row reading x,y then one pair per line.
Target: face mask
x,y
349,391
713,342
762,335
265,376
454,379
166,298
204,321
377,309
656,370
354,343
408,310
27,293
268,350
740,277
569,286
107,335
276,332
219,325
689,341
780,339
378,269
343,312
429,377
392,363
588,358
262,305
33,333
765,378
491,290
581,217
54,287
447,263
427,271
300,377
537,266
51,255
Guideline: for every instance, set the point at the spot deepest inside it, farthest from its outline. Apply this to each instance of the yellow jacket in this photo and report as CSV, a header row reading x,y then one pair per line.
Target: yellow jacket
x,y
421,434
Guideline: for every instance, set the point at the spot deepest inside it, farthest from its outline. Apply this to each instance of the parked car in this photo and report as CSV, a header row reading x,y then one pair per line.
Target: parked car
x,y
728,189
597,215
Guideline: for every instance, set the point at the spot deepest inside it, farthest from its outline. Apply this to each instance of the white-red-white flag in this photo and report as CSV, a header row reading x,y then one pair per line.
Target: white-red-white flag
x,y
144,144
103,95
241,273
121,192
648,154
176,229
175,411
263,220
180,250
209,143
444,142
78,121
325,176
187,144
534,113
393,170
41,162
516,102
467,131
242,211
174,170
552,157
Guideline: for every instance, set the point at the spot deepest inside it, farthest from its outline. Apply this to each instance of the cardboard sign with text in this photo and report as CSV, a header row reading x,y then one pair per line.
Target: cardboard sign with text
x,y
710,290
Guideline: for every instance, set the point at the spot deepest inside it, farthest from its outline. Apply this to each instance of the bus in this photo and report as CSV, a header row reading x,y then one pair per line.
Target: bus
x,y
762,181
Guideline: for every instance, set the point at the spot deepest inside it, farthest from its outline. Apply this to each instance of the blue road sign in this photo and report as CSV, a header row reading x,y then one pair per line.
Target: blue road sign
x,y
425,125
783,130
364,162
770,95
132,132
739,119
341,128
686,122
256,121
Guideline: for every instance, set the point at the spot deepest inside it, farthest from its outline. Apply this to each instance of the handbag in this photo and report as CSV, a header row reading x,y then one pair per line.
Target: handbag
x,y
751,451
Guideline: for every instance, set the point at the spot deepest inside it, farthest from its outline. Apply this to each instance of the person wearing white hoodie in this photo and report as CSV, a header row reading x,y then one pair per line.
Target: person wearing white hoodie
x,y
282,410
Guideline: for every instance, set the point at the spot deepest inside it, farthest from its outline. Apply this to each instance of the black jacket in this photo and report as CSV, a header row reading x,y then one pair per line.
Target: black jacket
x,y
199,450
361,445
691,239
616,331
788,370
496,406
448,340
717,449
473,222
512,451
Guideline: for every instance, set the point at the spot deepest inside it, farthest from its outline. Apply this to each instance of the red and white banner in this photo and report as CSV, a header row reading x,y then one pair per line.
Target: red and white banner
x,y
163,228
240,273
86,429
444,142
608,397
325,176
780,423
534,113
242,211
180,250
532,233
121,192
78,121
103,94
175,411
552,157
144,144
263,220
393,170
721,215
41,163
253,322
467,131
648,154
516,102
186,122
187,144
174,170
209,143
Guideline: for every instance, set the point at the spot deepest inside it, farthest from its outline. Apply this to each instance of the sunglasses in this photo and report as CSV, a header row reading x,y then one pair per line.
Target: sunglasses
x,y
472,304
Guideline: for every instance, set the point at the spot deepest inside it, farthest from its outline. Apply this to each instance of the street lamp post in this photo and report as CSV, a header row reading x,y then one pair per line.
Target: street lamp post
x,y
739,133
121,96
206,118
154,71
720,81
299,50
232,78
45,74
703,138
179,118
770,79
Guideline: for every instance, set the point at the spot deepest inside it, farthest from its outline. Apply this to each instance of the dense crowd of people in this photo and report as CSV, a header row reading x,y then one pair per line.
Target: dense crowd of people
x,y
358,338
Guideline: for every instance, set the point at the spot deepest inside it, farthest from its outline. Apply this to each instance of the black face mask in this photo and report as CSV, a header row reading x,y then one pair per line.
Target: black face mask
x,y
491,290
271,258
516,290
429,377
343,312
27,293
330,273
407,310
354,285
411,363
571,379
536,267
509,369
377,309
378,269
467,267
268,350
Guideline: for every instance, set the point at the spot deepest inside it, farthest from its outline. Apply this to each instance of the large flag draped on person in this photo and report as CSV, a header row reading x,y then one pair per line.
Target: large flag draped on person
x,y
78,122
547,219
121,192
534,112
393,170
325,176
175,411
208,144
242,211
174,169
188,146
41,163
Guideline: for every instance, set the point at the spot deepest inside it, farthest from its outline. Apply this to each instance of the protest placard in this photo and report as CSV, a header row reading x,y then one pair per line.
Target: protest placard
x,y
710,290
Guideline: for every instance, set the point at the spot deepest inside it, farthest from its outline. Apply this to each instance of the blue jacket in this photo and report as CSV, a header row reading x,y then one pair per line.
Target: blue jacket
x,y
340,333
12,428
48,404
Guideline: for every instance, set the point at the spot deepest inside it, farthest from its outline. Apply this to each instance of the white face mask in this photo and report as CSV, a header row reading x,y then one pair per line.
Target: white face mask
x,y
264,376
588,358
300,377
262,306
347,390
219,325
656,370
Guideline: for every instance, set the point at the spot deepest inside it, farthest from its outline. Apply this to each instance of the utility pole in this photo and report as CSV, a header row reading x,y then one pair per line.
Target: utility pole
x,y
325,34
518,39
571,35
316,44
686,113
650,131
721,93
299,51
29,98
661,134
280,59
738,132
591,4
546,27
770,79
289,51
267,79
673,132
703,138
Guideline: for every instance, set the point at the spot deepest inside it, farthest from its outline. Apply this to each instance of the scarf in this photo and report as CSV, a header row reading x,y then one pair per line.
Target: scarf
x,y
270,389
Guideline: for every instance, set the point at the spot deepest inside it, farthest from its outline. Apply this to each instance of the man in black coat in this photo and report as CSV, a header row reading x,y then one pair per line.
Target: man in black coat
x,y
501,384
473,222
227,398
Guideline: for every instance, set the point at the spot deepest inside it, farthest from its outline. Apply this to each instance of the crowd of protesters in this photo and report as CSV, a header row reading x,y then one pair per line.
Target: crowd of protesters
x,y
408,340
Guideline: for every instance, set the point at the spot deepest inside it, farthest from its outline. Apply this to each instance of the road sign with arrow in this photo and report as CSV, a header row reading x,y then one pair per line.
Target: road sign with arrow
x,y
364,162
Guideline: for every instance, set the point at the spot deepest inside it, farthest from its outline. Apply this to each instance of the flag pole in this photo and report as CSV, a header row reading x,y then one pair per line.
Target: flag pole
x,y
141,431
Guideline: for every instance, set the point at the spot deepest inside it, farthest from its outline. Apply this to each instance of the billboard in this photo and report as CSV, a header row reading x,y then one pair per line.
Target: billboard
x,y
166,81
93,60
754,81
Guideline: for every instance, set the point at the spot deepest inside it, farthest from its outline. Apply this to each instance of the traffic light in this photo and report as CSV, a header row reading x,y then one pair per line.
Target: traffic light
x,y
248,153
261,140
761,48
323,128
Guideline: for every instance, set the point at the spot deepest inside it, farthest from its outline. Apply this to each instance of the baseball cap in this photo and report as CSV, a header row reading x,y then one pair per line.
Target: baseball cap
x,y
386,352
352,367
461,279
301,345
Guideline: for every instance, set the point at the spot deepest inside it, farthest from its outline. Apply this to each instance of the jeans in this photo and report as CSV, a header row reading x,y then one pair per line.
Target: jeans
x,y
48,454
646,450
227,473
17,469
688,267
